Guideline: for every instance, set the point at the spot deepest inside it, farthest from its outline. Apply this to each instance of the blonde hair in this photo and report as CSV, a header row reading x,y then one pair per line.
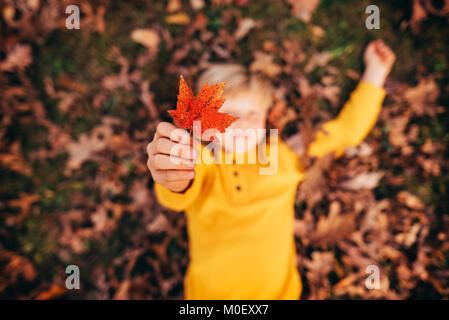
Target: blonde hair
x,y
238,80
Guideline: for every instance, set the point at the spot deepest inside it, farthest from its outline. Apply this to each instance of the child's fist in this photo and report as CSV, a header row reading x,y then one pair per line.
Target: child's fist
x,y
171,159
379,60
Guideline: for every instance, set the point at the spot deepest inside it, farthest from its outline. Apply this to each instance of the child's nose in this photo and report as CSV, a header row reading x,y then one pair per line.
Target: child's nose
x,y
241,124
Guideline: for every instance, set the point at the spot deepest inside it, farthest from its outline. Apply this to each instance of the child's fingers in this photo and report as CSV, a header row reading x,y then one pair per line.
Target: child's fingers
x,y
166,146
165,162
376,42
168,130
380,47
177,175
150,148
386,53
380,51
371,45
383,47
164,129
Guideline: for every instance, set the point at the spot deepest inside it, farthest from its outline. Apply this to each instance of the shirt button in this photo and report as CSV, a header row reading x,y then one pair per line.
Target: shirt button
x,y
238,188
236,173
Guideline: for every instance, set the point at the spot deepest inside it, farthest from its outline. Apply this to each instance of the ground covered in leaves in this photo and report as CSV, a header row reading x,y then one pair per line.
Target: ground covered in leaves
x,y
79,106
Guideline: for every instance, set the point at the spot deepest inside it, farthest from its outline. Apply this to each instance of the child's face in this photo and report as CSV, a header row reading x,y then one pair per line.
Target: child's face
x,y
242,135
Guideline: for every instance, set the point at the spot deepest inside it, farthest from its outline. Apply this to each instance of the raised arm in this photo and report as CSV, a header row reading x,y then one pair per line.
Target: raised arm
x,y
180,201
360,113
172,163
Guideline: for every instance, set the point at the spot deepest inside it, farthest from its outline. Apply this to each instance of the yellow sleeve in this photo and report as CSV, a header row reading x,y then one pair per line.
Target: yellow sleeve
x,y
180,201
291,159
353,123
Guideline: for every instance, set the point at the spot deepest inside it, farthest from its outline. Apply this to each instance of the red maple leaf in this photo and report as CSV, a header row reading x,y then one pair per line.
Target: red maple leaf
x,y
204,108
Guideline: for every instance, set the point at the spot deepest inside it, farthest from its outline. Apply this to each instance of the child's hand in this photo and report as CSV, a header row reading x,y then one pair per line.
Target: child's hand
x,y
379,60
171,159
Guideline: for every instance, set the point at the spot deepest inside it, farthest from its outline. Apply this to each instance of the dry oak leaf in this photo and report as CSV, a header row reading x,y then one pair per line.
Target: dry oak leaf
x,y
333,228
54,292
197,4
263,62
180,18
244,26
419,13
364,180
81,150
146,37
410,200
422,98
174,5
204,108
304,9
318,269
19,57
24,203
18,265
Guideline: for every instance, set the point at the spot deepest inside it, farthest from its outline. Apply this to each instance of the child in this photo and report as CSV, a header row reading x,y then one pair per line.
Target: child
x,y
240,223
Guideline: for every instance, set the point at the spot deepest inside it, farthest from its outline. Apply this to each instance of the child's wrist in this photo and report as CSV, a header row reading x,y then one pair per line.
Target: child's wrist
x,y
375,76
181,188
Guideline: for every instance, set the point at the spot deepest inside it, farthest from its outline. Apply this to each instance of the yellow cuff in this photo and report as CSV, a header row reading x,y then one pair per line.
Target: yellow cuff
x,y
371,90
180,201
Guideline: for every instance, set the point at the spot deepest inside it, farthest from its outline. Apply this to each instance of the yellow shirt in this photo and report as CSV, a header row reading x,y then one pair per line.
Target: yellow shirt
x,y
240,223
